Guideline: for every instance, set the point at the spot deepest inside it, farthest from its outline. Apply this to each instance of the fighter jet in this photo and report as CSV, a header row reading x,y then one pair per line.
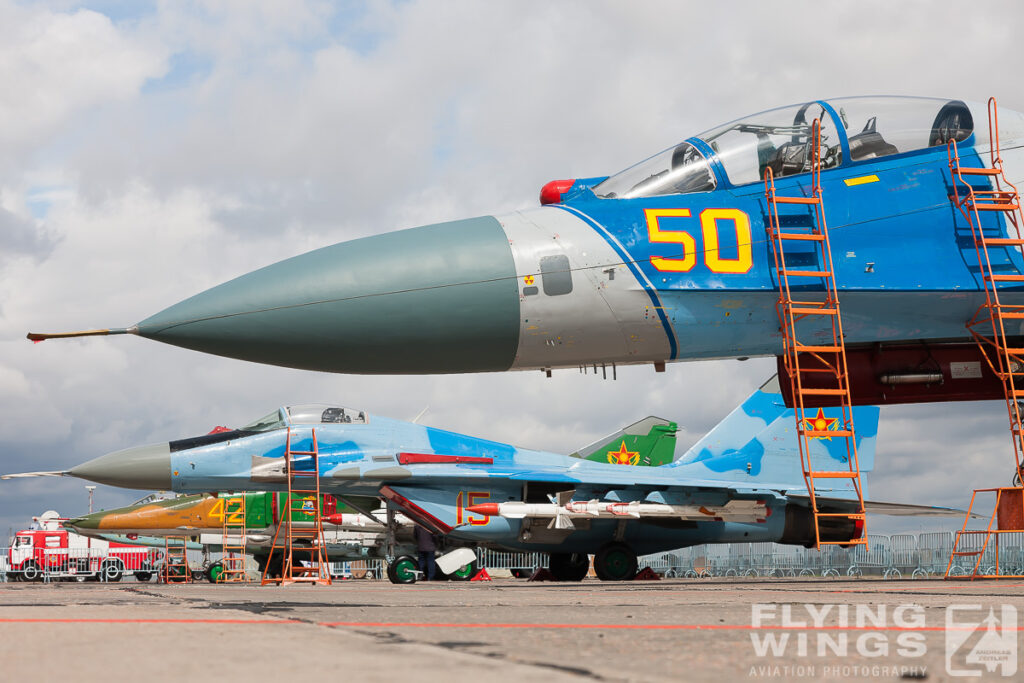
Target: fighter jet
x,y
742,482
665,261
348,534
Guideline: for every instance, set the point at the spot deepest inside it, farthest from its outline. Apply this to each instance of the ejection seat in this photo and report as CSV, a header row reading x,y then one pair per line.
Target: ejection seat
x,y
869,144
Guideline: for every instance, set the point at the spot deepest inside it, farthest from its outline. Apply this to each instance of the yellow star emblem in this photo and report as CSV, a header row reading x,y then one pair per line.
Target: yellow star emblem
x,y
623,456
820,423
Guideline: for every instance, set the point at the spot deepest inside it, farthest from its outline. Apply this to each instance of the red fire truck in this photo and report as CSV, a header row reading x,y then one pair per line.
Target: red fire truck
x,y
50,549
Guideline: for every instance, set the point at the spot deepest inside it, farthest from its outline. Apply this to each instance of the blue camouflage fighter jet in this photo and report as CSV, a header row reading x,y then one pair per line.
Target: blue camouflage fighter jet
x,y
741,482
665,261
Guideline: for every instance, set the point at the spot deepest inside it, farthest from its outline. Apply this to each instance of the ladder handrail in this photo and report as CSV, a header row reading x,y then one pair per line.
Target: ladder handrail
x,y
790,314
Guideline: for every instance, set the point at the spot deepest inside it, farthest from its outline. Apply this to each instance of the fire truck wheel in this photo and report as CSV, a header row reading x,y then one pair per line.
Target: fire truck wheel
x,y
111,571
569,566
615,562
143,577
402,570
30,571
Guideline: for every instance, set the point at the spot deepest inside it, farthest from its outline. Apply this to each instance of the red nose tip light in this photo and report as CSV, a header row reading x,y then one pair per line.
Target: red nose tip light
x,y
490,509
552,192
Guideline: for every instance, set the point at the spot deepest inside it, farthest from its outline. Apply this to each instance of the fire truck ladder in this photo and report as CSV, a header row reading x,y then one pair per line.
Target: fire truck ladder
x,y
999,197
304,502
176,569
817,371
233,560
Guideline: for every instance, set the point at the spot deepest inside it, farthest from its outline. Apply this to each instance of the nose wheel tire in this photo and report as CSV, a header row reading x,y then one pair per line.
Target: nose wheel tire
x,y
615,562
403,570
569,566
463,573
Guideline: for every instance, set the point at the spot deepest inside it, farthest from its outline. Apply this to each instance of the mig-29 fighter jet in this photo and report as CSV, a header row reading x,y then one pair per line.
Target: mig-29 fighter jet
x,y
742,482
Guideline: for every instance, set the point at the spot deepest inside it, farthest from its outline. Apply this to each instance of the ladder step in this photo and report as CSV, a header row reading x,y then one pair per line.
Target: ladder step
x,y
850,515
796,200
822,311
1002,241
806,273
998,206
1016,316
819,433
852,541
798,236
823,392
963,553
834,475
1005,278
801,348
963,170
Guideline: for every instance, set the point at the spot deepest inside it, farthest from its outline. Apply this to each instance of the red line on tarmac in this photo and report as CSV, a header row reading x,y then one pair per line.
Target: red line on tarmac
x,y
934,586
147,621
651,627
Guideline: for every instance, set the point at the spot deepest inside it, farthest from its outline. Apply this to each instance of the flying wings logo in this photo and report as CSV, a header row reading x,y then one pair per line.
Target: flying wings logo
x,y
820,423
623,456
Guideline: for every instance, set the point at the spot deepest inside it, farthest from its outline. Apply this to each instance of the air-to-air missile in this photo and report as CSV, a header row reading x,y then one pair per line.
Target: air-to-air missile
x,y
667,260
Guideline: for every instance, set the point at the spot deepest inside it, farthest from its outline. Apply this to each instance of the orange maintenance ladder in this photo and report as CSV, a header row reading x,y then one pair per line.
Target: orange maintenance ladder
x,y
176,569
303,501
233,561
817,371
988,325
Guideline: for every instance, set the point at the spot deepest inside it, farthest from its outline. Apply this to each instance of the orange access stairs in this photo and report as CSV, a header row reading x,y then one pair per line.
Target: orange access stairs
x,y
814,363
233,561
303,541
176,569
979,202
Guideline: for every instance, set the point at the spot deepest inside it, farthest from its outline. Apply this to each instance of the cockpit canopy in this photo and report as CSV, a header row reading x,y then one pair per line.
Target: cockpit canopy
x,y
310,414
853,129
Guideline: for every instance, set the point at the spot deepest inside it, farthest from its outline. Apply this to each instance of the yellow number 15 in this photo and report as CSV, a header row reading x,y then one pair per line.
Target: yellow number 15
x,y
709,219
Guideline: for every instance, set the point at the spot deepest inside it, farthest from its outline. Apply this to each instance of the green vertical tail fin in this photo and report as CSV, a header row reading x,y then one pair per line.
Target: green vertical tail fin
x,y
650,442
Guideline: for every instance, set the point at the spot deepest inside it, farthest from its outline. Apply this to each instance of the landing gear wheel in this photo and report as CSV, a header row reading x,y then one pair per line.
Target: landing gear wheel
x,y
30,572
464,573
111,571
403,570
213,574
569,566
615,562
520,573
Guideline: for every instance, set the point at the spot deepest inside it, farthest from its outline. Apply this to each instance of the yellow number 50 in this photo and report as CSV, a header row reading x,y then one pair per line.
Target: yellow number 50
x,y
709,219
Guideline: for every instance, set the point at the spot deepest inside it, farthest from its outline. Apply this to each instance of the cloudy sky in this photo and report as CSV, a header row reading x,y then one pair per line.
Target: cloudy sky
x,y
150,150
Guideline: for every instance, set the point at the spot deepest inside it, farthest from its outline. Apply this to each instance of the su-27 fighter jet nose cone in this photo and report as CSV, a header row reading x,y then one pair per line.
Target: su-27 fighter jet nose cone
x,y
142,467
439,298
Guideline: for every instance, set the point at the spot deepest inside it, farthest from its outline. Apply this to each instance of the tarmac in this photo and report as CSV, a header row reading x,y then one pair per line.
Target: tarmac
x,y
512,630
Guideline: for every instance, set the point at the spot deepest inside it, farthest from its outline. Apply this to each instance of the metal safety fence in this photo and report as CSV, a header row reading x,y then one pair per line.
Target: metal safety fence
x,y
891,557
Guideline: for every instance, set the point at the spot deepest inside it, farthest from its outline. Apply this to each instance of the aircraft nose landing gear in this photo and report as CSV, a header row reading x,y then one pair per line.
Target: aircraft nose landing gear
x,y
615,562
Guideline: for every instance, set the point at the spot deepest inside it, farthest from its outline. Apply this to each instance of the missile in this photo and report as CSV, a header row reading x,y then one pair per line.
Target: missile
x,y
733,511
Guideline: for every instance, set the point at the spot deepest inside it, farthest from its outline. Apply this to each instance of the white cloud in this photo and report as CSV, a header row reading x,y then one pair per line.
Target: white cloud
x,y
178,149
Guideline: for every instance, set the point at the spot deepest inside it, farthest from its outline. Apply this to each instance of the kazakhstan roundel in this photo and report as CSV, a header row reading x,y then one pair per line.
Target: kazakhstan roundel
x,y
820,423
623,456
